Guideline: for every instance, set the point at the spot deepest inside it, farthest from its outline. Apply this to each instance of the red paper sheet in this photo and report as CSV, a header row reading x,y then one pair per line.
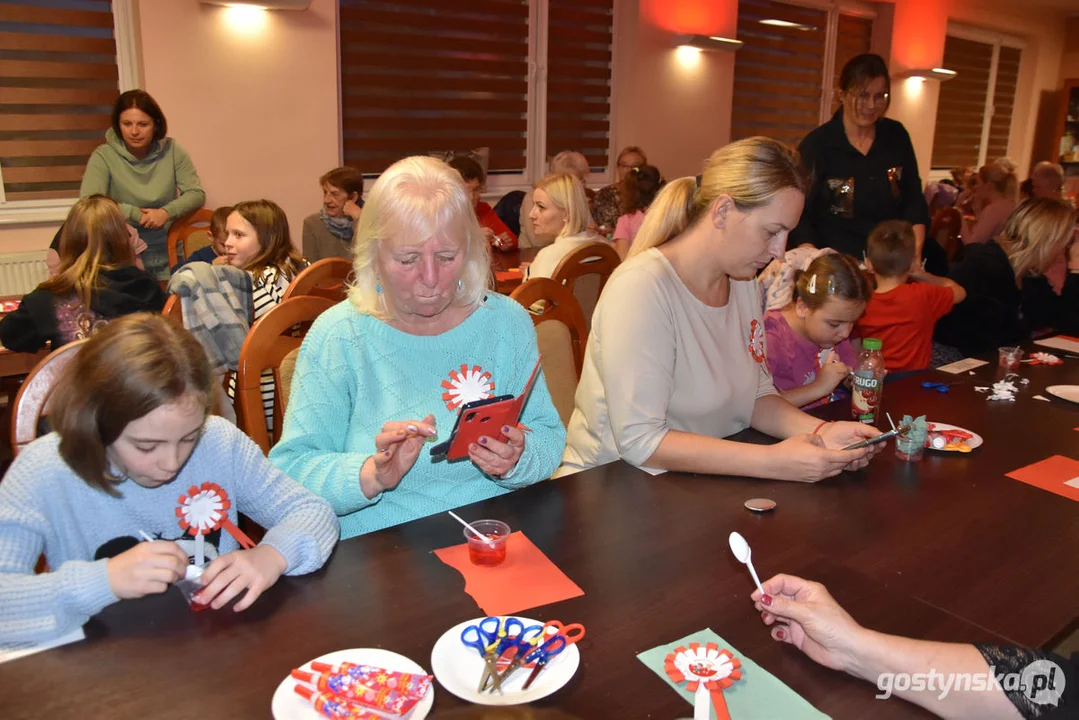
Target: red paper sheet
x,y
527,579
508,275
1057,474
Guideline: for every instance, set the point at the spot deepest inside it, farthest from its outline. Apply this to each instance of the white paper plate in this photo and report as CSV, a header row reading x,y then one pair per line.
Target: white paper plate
x,y
1064,392
974,443
287,705
458,668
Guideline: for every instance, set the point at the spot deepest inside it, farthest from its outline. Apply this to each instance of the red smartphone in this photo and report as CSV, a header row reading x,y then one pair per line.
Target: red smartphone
x,y
484,417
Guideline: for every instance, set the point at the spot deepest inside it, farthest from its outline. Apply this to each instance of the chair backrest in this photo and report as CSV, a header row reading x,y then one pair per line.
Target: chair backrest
x,y
326,278
32,400
192,232
174,311
585,271
945,229
270,341
561,342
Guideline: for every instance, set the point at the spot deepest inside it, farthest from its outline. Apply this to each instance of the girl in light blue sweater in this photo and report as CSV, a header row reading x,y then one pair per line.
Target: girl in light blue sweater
x,y
132,433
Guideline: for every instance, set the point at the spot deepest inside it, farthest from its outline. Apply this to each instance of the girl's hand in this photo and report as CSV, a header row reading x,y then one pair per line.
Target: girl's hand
x,y
802,613
832,372
396,450
228,575
146,569
497,458
804,458
153,218
838,435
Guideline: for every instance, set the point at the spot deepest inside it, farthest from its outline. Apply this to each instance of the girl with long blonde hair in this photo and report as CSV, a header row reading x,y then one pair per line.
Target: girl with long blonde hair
x,y
560,208
676,357
96,280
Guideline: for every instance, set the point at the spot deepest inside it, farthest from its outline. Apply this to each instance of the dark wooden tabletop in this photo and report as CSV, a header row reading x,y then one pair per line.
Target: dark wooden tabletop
x,y
946,549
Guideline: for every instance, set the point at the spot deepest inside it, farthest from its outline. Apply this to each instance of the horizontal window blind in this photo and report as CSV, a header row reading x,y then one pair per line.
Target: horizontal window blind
x,y
423,76
1000,126
778,70
961,108
579,36
853,38
58,83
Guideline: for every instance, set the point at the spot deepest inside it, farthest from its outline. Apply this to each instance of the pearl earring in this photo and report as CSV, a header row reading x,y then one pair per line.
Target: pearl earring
x,y
460,285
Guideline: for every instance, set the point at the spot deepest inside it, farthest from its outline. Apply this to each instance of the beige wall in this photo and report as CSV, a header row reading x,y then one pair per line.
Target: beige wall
x,y
253,101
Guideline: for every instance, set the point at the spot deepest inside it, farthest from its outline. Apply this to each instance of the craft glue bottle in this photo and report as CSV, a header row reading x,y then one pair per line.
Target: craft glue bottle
x,y
868,382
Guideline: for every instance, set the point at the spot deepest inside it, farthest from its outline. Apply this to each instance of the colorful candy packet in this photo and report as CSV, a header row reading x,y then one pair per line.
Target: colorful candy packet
x,y
331,706
384,690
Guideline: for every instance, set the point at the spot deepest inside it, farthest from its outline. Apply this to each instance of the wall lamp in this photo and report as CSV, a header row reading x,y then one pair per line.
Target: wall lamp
x,y
707,42
941,74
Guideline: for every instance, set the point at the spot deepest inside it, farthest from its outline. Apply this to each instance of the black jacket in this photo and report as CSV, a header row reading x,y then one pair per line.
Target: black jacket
x,y
851,192
124,291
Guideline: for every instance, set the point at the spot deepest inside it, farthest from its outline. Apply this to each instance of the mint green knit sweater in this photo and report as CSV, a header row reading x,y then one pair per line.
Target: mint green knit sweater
x,y
355,373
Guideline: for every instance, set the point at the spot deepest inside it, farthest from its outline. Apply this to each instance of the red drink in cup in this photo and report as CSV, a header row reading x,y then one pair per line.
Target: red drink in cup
x,y
492,551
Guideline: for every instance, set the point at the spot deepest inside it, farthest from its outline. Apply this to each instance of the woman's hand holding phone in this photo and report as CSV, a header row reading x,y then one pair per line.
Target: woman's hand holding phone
x,y
396,450
494,457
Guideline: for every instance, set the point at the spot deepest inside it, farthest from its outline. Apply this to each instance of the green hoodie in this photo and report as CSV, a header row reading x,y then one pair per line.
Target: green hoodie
x,y
166,178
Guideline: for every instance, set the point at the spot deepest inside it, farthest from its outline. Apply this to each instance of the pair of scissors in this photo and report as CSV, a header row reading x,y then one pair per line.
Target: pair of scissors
x,y
507,636
483,636
938,386
562,637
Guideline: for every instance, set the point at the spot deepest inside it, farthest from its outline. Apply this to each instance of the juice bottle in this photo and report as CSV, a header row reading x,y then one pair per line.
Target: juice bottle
x,y
868,382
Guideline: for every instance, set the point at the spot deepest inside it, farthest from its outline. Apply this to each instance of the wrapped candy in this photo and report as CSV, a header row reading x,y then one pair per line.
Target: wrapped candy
x,y
384,690
371,676
329,706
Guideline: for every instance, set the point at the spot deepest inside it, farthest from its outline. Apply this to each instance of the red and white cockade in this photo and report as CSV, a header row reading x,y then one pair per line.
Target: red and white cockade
x,y
205,509
707,672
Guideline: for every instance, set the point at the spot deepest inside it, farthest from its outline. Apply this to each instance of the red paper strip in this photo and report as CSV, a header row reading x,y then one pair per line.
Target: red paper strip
x,y
527,579
1057,474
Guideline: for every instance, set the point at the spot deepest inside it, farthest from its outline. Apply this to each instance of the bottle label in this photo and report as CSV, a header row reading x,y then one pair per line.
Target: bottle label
x,y
866,397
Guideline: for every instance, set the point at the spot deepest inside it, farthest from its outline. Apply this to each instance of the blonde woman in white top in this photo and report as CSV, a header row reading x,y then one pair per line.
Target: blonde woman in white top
x,y
676,358
560,208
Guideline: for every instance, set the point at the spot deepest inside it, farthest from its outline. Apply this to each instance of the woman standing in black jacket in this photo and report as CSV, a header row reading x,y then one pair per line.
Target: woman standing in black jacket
x,y
863,166
97,280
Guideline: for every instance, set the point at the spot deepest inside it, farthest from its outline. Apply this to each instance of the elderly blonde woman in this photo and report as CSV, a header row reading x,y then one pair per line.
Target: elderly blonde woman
x,y
567,162
676,359
388,369
560,210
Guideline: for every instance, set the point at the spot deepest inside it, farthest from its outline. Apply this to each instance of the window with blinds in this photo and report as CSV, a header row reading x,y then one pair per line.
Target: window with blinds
x,y
974,111
58,82
423,76
778,70
853,38
579,37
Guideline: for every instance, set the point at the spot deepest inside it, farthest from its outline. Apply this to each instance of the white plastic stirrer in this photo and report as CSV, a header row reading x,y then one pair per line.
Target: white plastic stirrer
x,y
741,550
471,529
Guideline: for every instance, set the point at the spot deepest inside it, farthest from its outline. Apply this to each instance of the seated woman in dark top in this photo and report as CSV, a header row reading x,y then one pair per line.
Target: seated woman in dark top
x,y
1008,296
96,281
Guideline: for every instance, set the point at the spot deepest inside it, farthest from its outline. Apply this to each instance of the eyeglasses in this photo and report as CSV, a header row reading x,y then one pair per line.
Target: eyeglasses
x,y
871,100
628,166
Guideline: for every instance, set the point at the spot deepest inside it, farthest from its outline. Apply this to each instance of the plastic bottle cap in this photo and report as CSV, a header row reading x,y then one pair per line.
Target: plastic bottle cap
x,y
872,344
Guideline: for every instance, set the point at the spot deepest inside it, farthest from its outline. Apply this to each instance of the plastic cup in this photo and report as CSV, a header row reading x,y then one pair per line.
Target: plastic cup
x,y
190,586
912,447
1010,357
492,552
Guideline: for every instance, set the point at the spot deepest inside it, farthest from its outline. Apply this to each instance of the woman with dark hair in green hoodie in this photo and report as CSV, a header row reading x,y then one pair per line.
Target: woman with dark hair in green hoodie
x,y
146,172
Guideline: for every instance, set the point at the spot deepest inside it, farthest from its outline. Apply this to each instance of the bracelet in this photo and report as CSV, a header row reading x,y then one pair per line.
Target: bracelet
x,y
823,423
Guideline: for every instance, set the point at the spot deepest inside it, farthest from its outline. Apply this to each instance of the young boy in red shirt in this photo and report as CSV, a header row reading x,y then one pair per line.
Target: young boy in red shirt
x,y
903,313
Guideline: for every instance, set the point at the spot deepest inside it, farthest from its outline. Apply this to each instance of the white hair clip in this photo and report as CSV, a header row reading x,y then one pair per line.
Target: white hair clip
x,y
812,287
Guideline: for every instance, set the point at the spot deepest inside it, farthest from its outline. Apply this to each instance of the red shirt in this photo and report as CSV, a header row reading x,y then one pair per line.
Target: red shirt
x,y
489,219
903,319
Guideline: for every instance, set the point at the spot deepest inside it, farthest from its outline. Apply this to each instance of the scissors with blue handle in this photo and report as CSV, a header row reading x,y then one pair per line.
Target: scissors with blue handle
x,y
566,635
524,642
507,636
483,636
938,386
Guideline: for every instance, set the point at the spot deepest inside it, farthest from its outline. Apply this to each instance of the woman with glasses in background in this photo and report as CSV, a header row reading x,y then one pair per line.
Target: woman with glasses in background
x,y
607,205
863,167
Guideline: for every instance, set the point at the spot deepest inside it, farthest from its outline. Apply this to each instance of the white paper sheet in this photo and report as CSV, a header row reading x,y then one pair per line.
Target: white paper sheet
x,y
962,365
1060,342
14,651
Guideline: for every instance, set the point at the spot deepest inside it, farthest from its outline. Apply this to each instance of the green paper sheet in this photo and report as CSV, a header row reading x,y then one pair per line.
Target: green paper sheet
x,y
758,695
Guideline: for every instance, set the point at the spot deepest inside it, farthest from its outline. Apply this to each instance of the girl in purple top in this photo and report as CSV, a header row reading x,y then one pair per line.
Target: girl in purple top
x,y
809,351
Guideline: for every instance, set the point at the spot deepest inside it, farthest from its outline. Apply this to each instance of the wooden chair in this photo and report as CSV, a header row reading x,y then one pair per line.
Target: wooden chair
x,y
561,342
945,229
326,278
32,400
270,341
174,311
585,271
192,232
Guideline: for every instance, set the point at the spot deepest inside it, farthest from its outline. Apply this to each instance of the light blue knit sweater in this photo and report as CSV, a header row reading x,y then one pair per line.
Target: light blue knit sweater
x,y
355,373
45,507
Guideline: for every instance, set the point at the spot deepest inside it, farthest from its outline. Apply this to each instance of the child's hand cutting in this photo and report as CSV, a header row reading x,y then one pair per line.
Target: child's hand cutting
x,y
253,570
833,372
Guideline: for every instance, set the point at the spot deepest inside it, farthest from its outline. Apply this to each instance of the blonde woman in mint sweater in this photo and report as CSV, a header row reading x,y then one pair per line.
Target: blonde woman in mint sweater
x,y
148,174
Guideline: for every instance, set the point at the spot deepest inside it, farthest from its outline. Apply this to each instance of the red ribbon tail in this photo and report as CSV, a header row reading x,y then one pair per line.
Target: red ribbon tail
x,y
720,704
245,542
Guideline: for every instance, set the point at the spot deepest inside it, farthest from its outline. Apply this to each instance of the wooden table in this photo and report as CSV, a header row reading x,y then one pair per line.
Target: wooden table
x,y
947,549
504,261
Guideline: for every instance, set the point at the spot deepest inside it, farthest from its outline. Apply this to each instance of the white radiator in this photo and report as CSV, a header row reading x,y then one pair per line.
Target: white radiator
x,y
22,272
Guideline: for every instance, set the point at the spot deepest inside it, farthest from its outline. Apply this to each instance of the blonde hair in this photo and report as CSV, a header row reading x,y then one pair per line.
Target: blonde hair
x,y
567,194
1035,233
572,163
416,199
95,237
1001,175
749,171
